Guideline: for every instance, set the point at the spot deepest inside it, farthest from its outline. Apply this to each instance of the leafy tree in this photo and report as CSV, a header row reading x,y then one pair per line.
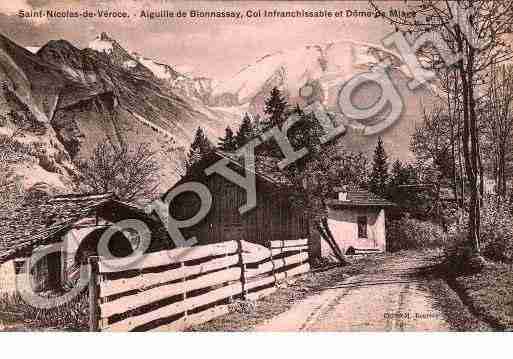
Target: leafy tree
x,y
379,176
432,143
228,142
245,132
320,172
498,129
437,148
128,171
306,132
398,176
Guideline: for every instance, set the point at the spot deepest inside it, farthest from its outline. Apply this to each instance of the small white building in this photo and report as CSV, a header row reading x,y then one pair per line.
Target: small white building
x,y
357,222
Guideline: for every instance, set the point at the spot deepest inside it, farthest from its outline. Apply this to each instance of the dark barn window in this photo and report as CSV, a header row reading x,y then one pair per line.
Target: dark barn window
x,y
362,226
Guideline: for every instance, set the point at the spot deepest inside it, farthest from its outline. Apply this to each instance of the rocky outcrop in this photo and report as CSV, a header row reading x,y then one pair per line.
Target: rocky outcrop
x,y
29,146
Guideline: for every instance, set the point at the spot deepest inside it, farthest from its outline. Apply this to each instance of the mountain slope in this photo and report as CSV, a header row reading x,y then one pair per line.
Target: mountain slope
x,y
88,96
29,91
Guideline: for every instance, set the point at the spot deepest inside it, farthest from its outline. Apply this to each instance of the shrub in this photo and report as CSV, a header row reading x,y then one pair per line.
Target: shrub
x,y
497,232
410,233
496,235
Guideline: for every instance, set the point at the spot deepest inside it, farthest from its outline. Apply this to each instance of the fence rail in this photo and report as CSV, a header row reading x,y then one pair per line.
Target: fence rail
x,y
175,289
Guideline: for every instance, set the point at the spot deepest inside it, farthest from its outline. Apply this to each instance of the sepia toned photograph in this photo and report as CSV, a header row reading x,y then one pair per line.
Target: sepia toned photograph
x,y
256,166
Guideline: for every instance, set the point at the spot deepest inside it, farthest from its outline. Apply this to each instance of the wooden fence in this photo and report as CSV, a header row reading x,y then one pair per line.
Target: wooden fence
x,y
175,289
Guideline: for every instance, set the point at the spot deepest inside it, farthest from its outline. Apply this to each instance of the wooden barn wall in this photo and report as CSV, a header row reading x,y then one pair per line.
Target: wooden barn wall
x,y
273,219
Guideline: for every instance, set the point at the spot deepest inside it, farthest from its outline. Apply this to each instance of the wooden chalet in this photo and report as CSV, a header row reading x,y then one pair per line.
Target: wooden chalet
x,y
77,221
277,215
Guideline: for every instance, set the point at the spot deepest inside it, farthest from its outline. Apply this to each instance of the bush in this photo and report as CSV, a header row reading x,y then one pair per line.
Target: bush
x,y
410,233
496,235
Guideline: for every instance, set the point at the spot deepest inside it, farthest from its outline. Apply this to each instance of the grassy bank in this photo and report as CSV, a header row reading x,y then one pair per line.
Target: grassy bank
x,y
488,294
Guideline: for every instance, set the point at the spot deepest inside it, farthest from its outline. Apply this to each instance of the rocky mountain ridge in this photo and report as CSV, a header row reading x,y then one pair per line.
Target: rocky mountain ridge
x,y
82,97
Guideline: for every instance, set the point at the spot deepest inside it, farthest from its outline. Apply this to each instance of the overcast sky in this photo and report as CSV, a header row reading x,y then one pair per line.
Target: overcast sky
x,y
216,48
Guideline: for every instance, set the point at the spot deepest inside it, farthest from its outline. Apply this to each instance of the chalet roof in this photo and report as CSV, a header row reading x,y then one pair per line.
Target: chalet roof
x,y
37,222
360,199
266,168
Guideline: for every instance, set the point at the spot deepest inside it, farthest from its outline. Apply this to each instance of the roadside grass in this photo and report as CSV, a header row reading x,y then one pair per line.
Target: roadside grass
x,y
459,316
287,294
16,315
488,294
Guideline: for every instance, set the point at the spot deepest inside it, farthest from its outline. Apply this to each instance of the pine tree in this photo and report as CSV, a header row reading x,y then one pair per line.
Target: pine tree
x,y
275,108
258,127
379,176
245,132
201,142
200,147
228,142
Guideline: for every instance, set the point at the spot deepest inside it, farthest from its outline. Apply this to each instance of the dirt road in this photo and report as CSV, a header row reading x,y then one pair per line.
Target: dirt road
x,y
392,296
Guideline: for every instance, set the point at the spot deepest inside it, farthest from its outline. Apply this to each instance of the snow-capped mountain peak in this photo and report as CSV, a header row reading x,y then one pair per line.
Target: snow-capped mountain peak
x,y
291,69
33,49
160,70
102,43
105,44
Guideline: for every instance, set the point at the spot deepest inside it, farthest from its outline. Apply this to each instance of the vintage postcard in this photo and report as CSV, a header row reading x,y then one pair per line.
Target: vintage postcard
x,y
256,166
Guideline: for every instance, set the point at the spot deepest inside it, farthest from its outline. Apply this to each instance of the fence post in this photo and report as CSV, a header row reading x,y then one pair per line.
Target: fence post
x,y
242,269
230,298
273,273
94,294
308,250
184,283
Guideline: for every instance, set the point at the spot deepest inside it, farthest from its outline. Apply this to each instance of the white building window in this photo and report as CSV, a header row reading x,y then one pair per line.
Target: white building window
x,y
362,226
